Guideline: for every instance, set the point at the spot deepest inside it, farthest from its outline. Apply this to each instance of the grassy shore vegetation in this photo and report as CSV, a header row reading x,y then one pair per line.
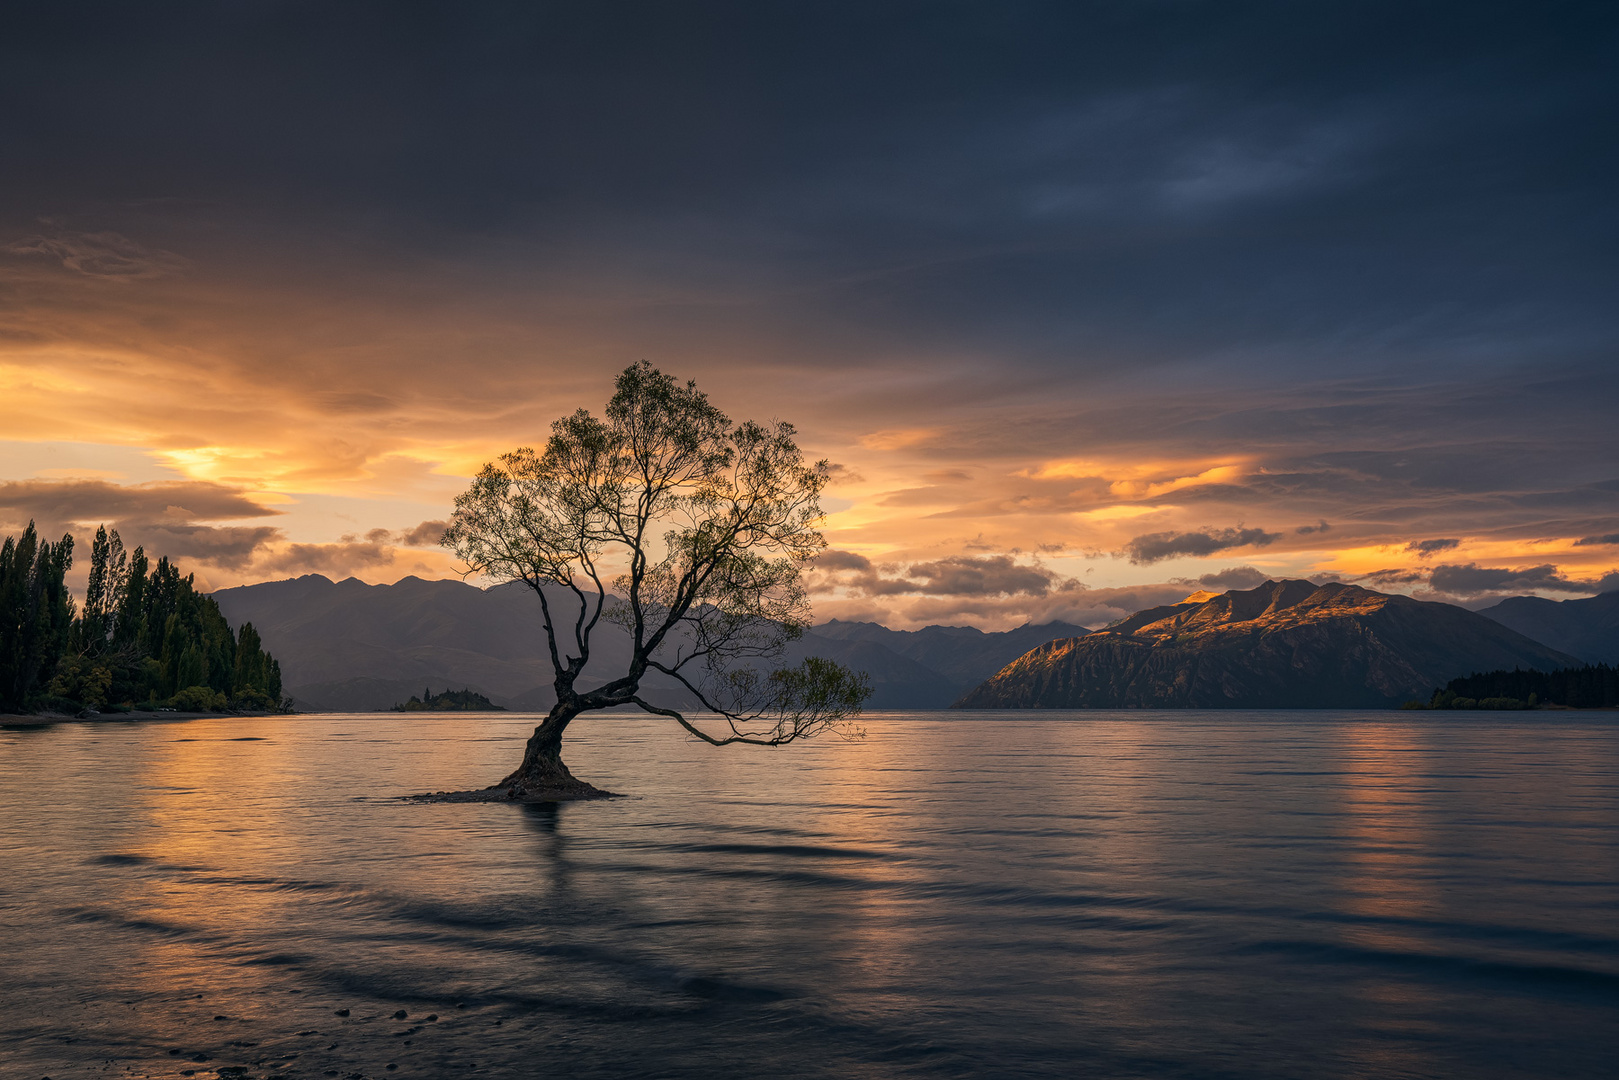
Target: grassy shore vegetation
x,y
1594,686
449,701
144,637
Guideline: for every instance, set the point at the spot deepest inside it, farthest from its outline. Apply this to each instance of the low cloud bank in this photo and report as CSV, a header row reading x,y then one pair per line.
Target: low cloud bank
x,y
958,575
1156,547
1236,577
1463,582
1426,549
195,523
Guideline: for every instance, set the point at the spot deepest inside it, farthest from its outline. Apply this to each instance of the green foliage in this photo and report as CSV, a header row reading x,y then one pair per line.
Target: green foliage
x,y
198,699
1594,686
449,701
712,521
144,634
36,615
82,679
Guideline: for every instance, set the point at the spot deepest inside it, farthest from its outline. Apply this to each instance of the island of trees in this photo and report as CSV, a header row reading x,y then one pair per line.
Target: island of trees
x,y
449,701
1594,686
144,637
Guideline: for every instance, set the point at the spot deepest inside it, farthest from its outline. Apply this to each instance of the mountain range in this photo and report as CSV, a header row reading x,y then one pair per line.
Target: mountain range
x,y
927,668
1285,644
346,646
1588,628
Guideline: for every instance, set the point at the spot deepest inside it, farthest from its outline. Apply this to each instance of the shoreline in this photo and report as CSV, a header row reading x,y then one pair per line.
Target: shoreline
x,y
48,719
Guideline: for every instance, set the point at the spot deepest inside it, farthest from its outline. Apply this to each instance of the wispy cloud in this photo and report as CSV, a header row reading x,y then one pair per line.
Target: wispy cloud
x,y
106,255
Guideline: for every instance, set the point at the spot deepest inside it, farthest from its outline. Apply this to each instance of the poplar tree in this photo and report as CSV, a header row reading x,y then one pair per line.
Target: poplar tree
x,y
36,615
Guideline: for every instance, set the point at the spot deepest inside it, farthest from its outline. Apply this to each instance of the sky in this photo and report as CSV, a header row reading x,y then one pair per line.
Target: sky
x,y
1089,304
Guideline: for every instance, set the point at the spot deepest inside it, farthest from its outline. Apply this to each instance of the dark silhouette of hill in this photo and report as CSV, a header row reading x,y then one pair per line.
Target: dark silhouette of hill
x,y
354,647
1588,628
347,646
1285,644
931,667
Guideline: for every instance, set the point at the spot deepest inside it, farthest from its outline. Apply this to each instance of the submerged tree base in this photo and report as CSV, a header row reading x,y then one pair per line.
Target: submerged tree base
x,y
576,791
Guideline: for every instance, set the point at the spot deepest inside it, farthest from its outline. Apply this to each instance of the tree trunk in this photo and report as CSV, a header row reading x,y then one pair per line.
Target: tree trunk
x,y
542,775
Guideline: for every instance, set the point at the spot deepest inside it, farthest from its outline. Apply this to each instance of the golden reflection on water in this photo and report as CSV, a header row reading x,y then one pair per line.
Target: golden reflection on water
x,y
1138,886
1386,869
1385,831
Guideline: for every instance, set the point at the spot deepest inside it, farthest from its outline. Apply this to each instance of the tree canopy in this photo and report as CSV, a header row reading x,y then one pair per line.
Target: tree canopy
x,y
144,635
688,531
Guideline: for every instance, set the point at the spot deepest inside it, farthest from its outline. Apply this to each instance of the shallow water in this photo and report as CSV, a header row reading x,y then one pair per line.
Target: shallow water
x,y
983,895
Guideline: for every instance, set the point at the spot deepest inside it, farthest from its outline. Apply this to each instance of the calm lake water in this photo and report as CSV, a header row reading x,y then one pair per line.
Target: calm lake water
x,y
984,895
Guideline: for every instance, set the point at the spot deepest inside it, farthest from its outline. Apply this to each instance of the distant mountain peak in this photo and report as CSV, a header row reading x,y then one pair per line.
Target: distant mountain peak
x,y
1283,644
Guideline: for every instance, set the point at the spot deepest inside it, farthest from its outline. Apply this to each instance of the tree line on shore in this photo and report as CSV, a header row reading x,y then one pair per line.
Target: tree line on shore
x,y
1593,686
143,638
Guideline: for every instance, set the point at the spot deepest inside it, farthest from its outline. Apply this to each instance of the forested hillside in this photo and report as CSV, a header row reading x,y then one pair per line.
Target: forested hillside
x,y
144,636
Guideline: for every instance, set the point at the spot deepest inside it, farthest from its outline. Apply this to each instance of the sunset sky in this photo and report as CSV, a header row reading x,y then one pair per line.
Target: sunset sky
x,y
1091,305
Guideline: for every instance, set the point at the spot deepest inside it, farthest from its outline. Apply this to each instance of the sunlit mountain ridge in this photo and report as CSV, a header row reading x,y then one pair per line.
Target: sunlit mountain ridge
x,y
1285,644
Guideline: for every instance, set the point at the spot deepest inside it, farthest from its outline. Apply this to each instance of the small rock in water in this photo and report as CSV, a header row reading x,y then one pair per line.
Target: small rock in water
x,y
432,1017
391,1066
221,1018
401,1014
341,1012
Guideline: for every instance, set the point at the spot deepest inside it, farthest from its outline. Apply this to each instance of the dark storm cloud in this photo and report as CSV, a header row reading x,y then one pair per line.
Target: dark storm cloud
x,y
1236,577
100,500
1365,246
834,559
179,519
1156,547
1425,549
994,575
1471,579
962,576
231,547
1138,180
1395,576
427,534
1597,541
339,560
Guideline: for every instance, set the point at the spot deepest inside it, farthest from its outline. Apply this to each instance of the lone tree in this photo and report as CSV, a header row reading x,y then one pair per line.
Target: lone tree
x,y
703,527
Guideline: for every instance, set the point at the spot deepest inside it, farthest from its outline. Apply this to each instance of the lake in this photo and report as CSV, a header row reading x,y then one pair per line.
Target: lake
x,y
1101,894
